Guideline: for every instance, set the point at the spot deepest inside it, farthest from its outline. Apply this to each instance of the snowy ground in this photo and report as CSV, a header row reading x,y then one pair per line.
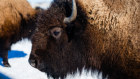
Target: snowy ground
x,y
18,58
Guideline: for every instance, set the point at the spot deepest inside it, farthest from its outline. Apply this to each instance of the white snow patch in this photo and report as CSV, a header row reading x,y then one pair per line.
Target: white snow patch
x,y
86,75
40,3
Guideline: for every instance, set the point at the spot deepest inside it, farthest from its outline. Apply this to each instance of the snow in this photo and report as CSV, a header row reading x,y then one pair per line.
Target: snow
x,y
18,59
42,3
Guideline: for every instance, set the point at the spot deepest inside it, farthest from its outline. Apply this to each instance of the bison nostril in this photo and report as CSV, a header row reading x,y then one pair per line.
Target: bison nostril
x,y
33,63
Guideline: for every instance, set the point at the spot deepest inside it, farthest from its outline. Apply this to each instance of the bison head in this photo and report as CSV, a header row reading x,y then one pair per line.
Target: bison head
x,y
53,51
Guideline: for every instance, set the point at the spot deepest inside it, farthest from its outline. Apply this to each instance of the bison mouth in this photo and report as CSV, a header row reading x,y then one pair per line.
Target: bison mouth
x,y
33,63
37,64
43,68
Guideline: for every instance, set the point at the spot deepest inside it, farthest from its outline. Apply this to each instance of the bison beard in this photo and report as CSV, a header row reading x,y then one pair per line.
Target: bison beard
x,y
17,19
97,42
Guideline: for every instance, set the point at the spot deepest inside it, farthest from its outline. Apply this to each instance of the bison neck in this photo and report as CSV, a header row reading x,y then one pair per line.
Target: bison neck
x,y
105,53
112,36
27,27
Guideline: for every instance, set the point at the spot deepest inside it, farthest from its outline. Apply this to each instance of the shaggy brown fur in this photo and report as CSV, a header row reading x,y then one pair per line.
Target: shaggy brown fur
x,y
15,18
104,36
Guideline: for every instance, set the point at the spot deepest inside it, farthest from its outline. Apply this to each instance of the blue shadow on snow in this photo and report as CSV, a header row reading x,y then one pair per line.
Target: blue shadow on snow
x,y
2,76
14,54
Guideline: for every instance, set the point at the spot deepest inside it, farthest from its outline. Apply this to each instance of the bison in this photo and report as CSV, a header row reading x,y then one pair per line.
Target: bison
x,y
99,35
16,22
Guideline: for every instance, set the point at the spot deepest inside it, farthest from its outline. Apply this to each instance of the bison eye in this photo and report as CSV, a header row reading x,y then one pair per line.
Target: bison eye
x,y
56,32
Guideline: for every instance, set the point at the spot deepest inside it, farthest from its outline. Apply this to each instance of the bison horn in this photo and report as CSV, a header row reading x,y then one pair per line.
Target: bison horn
x,y
73,15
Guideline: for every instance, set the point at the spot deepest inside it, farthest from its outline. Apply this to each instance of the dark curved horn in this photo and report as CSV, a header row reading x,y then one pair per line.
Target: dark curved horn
x,y
73,15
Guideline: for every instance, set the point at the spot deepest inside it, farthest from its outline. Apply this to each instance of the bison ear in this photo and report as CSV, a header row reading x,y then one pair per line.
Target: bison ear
x,y
56,32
